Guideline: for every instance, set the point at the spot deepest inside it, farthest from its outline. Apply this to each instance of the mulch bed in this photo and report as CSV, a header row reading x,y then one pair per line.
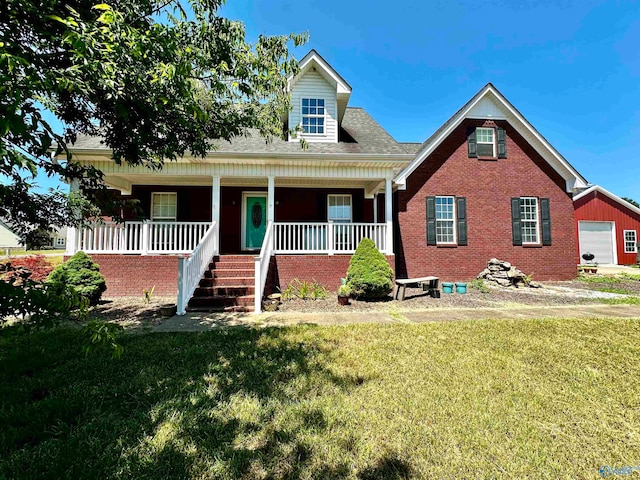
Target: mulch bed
x,y
416,299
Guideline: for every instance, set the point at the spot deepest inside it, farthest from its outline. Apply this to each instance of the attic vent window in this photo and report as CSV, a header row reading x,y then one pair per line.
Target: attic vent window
x,y
313,116
484,138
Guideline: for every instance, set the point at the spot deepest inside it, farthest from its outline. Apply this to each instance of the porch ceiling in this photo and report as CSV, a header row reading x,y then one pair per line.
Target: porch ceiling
x,y
124,182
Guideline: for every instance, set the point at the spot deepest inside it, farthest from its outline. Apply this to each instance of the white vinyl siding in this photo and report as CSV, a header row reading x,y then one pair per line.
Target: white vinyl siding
x,y
630,240
164,206
529,220
445,220
7,238
313,85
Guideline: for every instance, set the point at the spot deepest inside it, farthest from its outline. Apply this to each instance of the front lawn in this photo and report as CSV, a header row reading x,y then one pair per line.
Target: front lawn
x,y
477,399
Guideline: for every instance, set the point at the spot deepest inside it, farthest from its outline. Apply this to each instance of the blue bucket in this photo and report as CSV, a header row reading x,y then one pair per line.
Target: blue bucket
x,y
447,287
461,287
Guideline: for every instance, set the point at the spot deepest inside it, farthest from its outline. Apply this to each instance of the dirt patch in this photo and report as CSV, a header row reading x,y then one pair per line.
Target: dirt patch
x,y
131,312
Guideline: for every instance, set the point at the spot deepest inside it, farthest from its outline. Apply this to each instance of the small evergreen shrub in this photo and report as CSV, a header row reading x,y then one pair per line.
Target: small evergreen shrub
x,y
369,274
81,273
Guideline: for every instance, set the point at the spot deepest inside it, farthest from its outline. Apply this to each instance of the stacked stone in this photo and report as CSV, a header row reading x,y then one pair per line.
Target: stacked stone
x,y
505,274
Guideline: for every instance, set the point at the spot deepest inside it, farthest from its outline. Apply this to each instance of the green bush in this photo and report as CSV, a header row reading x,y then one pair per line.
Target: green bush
x,y
369,274
81,273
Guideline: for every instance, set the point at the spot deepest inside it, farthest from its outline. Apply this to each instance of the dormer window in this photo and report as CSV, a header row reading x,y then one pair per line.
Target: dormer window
x,y
313,116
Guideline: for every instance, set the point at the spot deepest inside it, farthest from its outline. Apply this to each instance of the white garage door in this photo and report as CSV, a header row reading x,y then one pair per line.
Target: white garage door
x,y
597,238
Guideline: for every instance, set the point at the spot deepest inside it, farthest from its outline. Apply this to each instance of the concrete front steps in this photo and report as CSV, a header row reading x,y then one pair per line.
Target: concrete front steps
x,y
227,286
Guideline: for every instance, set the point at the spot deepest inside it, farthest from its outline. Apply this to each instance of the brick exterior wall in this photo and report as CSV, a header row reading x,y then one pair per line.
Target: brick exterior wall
x,y
488,186
325,269
129,275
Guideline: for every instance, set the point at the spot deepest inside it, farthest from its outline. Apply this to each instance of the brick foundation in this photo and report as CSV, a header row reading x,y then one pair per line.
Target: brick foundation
x,y
129,275
324,269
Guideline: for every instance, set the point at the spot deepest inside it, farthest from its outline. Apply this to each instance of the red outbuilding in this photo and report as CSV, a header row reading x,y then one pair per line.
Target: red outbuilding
x,y
606,226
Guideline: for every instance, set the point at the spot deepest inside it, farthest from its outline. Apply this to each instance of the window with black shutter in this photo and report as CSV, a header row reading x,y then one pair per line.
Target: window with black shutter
x,y
446,220
487,142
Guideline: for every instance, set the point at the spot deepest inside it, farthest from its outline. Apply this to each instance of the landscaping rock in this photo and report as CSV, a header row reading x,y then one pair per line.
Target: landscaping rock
x,y
505,274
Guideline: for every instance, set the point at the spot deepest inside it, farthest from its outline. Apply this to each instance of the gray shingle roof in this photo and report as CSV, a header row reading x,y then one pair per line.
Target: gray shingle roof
x,y
360,134
411,147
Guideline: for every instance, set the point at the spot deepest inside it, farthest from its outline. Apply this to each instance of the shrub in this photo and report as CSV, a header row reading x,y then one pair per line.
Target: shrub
x,y
81,273
369,274
304,290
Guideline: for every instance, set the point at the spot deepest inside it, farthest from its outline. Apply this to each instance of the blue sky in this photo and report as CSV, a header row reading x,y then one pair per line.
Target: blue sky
x,y
572,68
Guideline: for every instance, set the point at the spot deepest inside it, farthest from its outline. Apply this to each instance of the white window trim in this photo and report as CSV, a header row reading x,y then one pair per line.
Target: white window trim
x,y
453,220
350,205
522,220
164,219
635,241
323,116
60,241
493,144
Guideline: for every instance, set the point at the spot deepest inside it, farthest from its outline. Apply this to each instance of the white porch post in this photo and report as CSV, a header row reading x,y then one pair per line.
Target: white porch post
x,y
73,233
375,208
215,210
271,201
388,215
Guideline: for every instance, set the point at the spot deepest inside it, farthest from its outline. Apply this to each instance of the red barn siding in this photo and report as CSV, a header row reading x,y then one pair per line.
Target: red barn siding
x,y
488,187
597,206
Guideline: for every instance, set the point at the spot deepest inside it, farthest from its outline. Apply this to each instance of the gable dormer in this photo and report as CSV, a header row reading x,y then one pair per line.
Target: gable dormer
x,y
319,97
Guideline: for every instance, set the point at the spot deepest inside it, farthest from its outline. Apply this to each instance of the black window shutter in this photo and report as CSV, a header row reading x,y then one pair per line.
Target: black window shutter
x,y
516,227
502,143
545,215
461,207
471,142
431,220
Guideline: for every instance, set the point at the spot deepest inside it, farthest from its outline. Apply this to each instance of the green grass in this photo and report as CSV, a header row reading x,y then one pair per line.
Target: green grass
x,y
621,301
22,251
621,291
478,399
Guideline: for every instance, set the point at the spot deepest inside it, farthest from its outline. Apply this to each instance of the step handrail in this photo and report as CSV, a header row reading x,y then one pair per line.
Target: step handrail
x,y
262,267
191,269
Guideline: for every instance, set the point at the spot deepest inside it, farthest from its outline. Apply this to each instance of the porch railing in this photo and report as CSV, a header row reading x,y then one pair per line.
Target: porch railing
x,y
191,269
141,237
326,238
262,267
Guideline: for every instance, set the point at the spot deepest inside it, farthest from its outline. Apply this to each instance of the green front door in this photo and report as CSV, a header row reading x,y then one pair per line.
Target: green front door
x,y
255,222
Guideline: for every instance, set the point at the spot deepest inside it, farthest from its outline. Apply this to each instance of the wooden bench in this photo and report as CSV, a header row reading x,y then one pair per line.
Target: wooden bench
x,y
402,283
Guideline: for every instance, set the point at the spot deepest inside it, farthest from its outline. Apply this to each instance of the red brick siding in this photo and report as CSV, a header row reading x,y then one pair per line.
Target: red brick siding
x,y
129,275
325,269
598,207
488,186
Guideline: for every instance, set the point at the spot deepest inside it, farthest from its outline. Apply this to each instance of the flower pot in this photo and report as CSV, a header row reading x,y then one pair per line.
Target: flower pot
x,y
461,287
343,299
447,287
168,309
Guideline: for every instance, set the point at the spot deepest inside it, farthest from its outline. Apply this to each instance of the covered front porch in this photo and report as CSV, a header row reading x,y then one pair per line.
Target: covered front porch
x,y
260,217
304,221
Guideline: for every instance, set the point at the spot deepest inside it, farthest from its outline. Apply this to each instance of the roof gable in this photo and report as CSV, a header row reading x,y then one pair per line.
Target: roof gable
x,y
489,103
313,61
615,198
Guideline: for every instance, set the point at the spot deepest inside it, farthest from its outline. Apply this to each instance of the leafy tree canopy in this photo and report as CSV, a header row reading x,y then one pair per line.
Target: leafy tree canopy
x,y
154,79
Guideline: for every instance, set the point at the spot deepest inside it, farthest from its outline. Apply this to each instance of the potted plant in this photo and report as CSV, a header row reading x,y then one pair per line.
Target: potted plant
x,y
344,292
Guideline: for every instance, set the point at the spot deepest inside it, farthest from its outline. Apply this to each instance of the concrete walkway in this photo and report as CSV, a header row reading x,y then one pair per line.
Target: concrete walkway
x,y
194,322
